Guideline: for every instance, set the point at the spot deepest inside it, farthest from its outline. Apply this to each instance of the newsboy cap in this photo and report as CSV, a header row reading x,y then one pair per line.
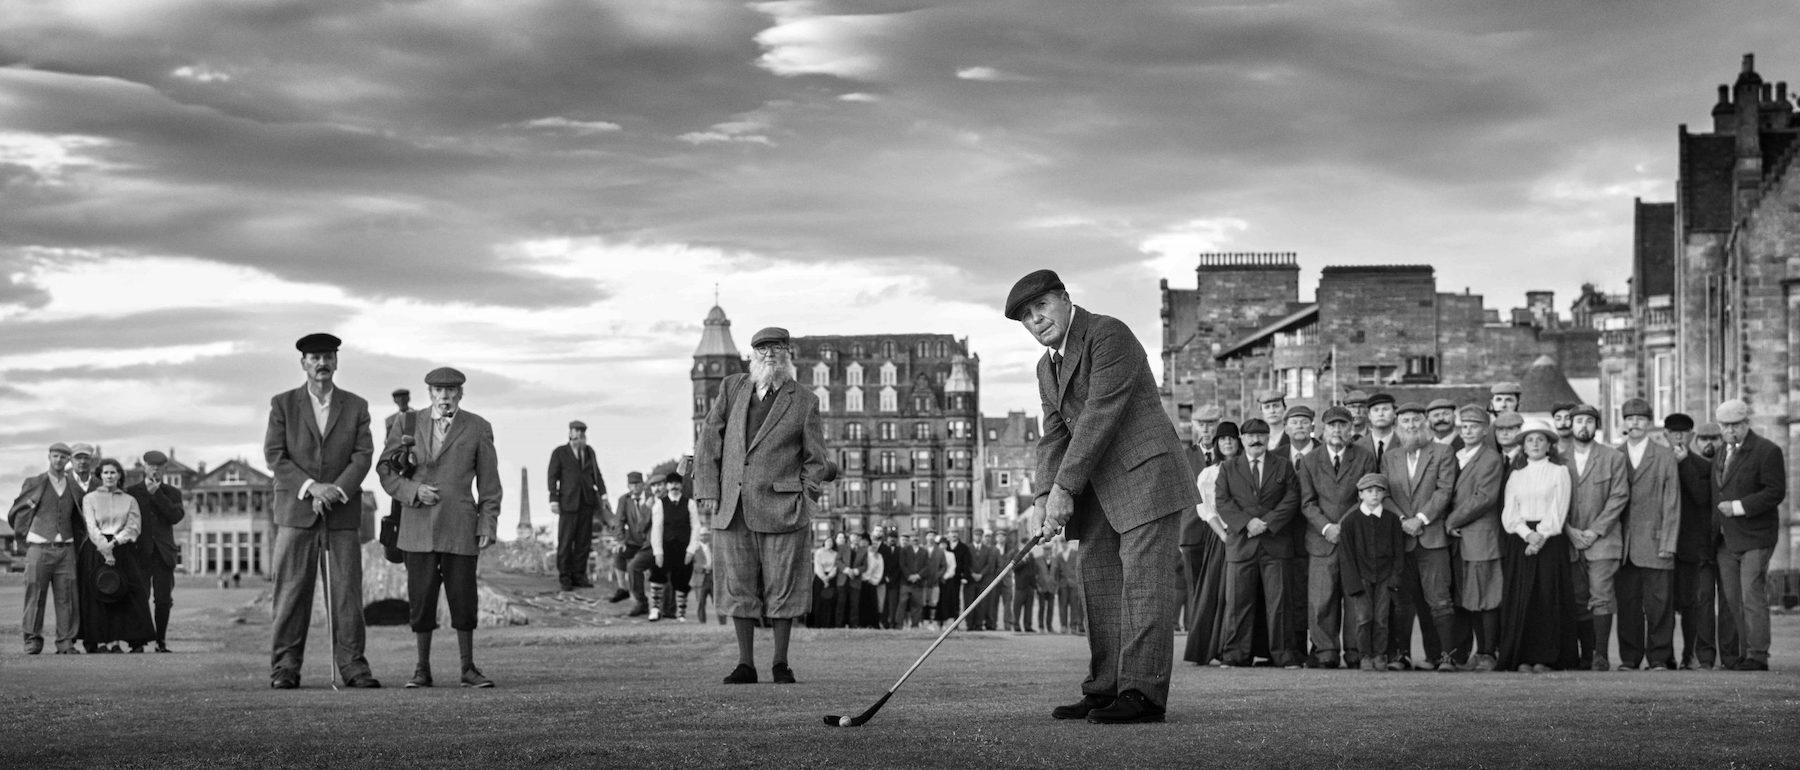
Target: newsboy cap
x,y
154,457
1563,406
445,377
1369,480
1255,425
1635,407
401,392
1709,430
1587,409
1734,410
634,478
671,478
318,342
1678,422
60,447
1410,406
577,425
1271,396
81,449
769,335
1338,414
1355,397
1209,413
1440,403
1506,389
1378,399
1509,420
1473,413
1299,410
1029,288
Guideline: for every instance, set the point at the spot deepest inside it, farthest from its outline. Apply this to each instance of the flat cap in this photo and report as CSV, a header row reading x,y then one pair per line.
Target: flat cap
x,y
1410,406
1255,425
1563,406
154,457
1440,403
1378,399
577,425
1734,410
60,447
401,392
671,478
1299,410
1209,413
1355,397
1508,420
1678,422
1506,389
1226,429
1029,288
1587,409
1271,396
1709,430
445,377
769,335
1371,480
81,449
1635,407
1473,413
1338,414
634,478
318,342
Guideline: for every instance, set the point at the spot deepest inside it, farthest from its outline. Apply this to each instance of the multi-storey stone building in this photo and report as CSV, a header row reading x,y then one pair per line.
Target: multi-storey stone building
x,y
1009,462
900,414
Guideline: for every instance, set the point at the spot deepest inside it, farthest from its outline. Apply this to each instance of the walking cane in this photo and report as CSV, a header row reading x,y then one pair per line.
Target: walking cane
x,y
330,626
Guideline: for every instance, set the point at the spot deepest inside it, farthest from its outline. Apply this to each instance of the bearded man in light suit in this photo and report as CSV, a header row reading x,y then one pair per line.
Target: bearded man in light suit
x,y
319,446
759,466
1114,474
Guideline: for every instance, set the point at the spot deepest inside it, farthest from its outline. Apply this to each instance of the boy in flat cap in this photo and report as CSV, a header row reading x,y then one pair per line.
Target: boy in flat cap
x,y
1748,486
1373,547
1113,473
577,497
759,469
48,512
160,507
319,446
444,524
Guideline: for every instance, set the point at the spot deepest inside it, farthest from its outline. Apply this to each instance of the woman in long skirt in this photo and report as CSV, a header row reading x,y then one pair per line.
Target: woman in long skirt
x,y
113,525
1537,627
1206,604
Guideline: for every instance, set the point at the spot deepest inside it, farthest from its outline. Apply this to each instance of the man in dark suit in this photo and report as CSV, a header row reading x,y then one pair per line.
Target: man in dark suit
x,y
1652,528
159,506
759,470
1112,471
887,594
1697,541
577,496
1259,499
1747,489
909,606
1598,494
319,446
1328,481
445,524
1379,435
985,565
1421,477
1025,585
47,516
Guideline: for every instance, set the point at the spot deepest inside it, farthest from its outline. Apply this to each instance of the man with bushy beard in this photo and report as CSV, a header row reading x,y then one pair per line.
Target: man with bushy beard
x,y
1421,480
1597,500
758,472
1704,641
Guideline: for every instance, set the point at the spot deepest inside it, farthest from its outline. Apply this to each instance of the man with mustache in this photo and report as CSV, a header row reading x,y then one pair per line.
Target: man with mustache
x,y
1561,416
1704,640
319,446
1111,469
1421,480
1747,489
1647,568
1597,500
1259,499
1474,527
759,469
1440,416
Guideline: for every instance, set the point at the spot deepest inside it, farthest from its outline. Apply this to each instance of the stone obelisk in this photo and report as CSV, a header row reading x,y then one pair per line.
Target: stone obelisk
x,y
526,533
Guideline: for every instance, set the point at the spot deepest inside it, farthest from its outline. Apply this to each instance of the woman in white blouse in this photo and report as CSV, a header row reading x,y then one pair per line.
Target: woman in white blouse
x,y
114,605
1537,625
1206,608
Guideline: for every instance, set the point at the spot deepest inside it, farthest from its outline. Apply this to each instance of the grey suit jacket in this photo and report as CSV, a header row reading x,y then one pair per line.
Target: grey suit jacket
x,y
1428,491
1105,430
298,449
466,459
775,474
1597,498
1653,516
1475,505
1326,494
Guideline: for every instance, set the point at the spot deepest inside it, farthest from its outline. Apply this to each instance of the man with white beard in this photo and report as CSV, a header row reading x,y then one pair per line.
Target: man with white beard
x,y
758,470
1421,480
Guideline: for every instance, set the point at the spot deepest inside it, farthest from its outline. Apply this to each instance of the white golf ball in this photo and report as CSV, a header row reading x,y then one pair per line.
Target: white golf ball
x,y
843,721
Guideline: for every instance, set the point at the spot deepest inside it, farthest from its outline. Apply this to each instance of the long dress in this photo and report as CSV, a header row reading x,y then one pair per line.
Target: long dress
x,y
113,515
1206,603
1537,621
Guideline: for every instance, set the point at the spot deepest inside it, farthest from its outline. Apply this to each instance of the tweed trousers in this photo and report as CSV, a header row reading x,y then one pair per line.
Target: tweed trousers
x,y
1131,582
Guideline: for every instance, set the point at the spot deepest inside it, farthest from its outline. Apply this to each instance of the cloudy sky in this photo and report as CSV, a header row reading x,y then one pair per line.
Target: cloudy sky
x,y
546,193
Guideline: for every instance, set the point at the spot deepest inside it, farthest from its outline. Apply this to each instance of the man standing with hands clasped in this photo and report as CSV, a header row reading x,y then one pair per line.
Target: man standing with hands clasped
x,y
1748,487
577,495
160,508
1114,475
320,448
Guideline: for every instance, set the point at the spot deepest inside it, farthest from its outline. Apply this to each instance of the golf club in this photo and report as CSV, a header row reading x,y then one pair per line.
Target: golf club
x,y
859,720
330,627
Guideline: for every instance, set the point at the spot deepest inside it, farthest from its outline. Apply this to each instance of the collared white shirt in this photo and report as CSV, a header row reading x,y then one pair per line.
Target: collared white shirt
x,y
1581,459
1299,453
1376,513
321,409
1636,451
1412,462
1337,458
1445,439
1062,351
1465,454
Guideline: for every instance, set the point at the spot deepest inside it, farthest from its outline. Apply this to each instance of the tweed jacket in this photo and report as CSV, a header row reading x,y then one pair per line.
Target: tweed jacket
x,y
1105,430
24,508
465,459
1653,515
1428,491
1276,501
1698,542
776,474
1598,495
1756,478
298,449
935,565
1326,492
1475,504
909,561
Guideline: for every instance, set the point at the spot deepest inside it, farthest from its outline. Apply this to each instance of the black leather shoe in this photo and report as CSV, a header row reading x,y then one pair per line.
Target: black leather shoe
x,y
364,682
421,678
1081,708
472,677
1131,707
284,680
741,675
1751,665
619,596
782,674
160,647
30,650
137,649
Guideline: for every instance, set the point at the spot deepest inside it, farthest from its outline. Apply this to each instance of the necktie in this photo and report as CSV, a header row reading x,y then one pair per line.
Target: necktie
x,y
1056,366
1256,471
1731,451
1380,450
1335,464
439,429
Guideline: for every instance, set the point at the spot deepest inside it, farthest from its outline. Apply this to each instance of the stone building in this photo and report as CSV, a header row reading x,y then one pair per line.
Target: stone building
x,y
1716,278
900,413
230,523
1242,329
1009,461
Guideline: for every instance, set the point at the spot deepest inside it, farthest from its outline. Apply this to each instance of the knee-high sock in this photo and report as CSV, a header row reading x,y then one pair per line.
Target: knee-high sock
x,y
783,628
465,644
162,623
422,640
1487,631
746,640
681,598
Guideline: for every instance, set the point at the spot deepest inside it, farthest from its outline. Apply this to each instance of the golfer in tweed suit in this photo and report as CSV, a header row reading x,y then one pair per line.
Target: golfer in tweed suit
x,y
1115,475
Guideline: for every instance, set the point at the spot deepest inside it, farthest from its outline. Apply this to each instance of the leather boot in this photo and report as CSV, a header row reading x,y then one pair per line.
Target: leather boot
x,y
1602,638
1584,640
